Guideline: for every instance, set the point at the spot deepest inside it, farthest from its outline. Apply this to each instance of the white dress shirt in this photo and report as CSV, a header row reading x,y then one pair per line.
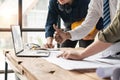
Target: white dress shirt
x,y
95,11
118,6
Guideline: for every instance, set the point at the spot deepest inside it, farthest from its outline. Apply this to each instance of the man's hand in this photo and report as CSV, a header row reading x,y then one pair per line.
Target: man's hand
x,y
61,36
49,43
71,54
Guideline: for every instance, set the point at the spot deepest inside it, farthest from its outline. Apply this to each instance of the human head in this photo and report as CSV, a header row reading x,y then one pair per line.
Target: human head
x,y
62,2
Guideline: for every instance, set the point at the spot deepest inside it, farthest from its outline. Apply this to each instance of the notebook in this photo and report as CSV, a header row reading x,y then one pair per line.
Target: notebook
x,y
19,46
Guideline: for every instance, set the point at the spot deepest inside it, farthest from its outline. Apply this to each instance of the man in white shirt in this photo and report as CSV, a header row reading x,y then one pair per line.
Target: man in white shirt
x,y
104,39
95,11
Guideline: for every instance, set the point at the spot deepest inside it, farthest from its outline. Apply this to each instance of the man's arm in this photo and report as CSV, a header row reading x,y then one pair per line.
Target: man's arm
x,y
94,14
112,33
52,18
92,49
103,40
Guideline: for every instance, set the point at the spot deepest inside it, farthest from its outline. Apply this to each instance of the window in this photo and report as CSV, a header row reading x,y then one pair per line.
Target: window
x,y
34,13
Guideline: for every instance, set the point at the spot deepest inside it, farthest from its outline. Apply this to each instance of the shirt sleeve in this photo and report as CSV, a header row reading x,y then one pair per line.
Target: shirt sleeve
x,y
112,33
118,5
94,14
52,18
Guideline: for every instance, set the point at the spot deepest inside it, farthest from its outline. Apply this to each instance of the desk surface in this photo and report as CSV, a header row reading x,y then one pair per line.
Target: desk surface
x,y
36,68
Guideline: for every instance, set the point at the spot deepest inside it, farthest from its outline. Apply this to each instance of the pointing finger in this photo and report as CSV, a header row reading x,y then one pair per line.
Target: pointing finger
x,y
59,55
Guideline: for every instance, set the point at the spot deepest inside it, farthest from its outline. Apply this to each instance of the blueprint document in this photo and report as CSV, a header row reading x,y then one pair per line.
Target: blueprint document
x,y
73,64
92,62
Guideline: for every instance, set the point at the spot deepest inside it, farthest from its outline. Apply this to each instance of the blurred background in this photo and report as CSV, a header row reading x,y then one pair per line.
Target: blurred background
x,y
34,13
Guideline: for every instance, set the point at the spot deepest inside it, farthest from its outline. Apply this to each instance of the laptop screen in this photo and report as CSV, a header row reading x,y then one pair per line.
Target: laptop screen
x,y
17,40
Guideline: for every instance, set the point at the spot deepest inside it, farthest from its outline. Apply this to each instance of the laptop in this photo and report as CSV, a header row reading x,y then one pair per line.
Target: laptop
x,y
19,49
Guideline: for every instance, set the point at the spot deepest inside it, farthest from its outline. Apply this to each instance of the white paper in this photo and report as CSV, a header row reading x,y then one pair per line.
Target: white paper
x,y
91,62
73,64
106,72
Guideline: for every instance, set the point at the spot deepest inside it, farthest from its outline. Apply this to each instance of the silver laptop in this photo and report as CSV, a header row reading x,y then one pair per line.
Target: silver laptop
x,y
19,46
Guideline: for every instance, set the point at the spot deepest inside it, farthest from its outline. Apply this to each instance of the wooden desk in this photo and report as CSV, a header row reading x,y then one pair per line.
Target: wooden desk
x,y
35,68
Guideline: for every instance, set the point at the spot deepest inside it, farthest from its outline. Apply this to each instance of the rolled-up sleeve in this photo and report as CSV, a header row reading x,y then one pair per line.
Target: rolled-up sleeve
x,y
112,33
